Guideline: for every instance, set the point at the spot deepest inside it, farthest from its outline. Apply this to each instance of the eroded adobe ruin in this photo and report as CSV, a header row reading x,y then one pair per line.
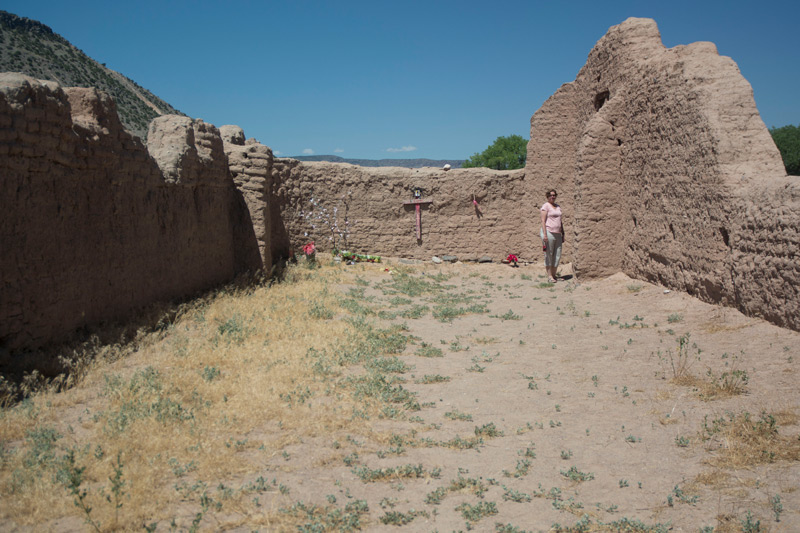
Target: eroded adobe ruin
x,y
93,224
665,169
671,175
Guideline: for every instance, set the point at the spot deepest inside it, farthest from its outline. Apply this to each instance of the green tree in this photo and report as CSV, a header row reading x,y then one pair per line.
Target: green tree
x,y
505,153
787,139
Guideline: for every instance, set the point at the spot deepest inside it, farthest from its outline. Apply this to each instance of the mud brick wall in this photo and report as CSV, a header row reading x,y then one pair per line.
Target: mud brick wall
x,y
370,201
765,247
664,168
671,174
250,165
91,228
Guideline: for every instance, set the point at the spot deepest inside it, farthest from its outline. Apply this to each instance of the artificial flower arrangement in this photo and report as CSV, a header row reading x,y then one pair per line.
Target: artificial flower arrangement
x,y
310,251
512,259
350,256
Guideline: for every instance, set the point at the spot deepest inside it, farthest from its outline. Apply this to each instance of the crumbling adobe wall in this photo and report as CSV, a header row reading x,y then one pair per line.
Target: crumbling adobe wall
x,y
92,225
664,168
250,165
368,204
670,174
765,245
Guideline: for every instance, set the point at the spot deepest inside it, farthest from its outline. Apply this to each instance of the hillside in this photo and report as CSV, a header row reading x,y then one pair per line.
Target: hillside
x,y
30,47
405,163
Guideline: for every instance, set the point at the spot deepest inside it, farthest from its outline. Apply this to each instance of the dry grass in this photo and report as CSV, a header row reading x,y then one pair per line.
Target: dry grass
x,y
713,388
743,440
193,403
281,407
730,381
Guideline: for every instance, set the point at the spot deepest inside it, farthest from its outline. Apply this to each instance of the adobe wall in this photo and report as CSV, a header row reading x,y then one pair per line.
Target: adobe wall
x,y
368,203
664,168
93,226
670,175
250,166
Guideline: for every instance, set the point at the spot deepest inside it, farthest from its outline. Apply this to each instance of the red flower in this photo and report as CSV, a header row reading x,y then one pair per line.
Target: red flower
x,y
512,258
309,249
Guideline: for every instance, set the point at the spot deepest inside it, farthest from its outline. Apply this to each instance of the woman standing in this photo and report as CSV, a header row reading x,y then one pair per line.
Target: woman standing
x,y
552,234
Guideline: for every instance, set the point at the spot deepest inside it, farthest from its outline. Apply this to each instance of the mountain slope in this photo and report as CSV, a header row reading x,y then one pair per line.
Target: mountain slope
x,y
30,47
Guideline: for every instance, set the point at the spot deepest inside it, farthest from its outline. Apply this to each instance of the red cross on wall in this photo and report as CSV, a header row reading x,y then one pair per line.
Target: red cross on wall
x,y
417,202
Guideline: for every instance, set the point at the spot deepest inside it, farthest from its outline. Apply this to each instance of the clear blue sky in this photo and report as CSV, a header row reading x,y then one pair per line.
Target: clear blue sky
x,y
378,79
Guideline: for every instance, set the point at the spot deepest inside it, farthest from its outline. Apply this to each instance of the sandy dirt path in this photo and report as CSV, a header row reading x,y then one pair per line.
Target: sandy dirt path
x,y
570,387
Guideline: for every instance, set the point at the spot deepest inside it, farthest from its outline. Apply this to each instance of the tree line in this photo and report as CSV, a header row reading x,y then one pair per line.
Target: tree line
x,y
787,139
509,153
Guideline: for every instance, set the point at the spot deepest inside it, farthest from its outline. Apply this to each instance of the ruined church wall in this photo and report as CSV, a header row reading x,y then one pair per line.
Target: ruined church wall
x,y
250,165
690,197
667,153
91,228
765,246
370,202
664,168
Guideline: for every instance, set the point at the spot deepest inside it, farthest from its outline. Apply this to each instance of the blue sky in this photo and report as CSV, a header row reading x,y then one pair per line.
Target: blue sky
x,y
379,79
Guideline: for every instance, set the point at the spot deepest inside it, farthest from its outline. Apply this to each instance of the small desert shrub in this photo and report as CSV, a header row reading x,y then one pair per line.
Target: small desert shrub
x,y
675,318
314,518
416,311
368,475
729,383
426,350
509,315
428,379
574,474
488,430
457,415
681,362
474,513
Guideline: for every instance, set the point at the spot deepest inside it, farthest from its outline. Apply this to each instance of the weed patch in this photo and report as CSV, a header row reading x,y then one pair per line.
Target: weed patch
x,y
742,440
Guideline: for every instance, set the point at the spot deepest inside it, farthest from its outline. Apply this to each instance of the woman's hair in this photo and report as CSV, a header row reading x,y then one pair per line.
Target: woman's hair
x,y
548,192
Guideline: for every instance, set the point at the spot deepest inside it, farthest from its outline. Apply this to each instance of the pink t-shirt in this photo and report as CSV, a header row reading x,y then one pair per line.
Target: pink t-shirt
x,y
553,221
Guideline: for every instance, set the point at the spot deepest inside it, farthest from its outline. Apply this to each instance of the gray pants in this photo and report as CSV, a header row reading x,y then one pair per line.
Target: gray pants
x,y
553,254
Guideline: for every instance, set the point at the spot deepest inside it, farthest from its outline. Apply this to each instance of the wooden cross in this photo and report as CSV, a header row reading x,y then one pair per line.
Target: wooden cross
x,y
417,202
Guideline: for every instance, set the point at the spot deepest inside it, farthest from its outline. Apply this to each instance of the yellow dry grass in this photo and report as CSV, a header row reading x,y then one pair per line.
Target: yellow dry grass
x,y
281,379
192,402
742,440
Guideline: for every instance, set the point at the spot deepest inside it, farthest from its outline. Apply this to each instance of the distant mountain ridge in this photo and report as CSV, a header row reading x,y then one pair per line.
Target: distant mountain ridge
x,y
34,49
405,163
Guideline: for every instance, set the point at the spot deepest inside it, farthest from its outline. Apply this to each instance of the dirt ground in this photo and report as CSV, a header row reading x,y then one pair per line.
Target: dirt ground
x,y
556,408
589,427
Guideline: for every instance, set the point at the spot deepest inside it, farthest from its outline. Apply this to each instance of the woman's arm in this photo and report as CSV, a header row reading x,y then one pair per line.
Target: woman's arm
x,y
543,217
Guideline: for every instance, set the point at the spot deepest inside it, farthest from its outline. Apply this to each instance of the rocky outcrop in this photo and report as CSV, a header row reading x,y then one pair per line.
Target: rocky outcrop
x,y
91,228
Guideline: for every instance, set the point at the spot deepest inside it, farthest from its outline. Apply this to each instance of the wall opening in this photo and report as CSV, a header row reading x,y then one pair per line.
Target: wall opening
x,y
600,99
725,237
